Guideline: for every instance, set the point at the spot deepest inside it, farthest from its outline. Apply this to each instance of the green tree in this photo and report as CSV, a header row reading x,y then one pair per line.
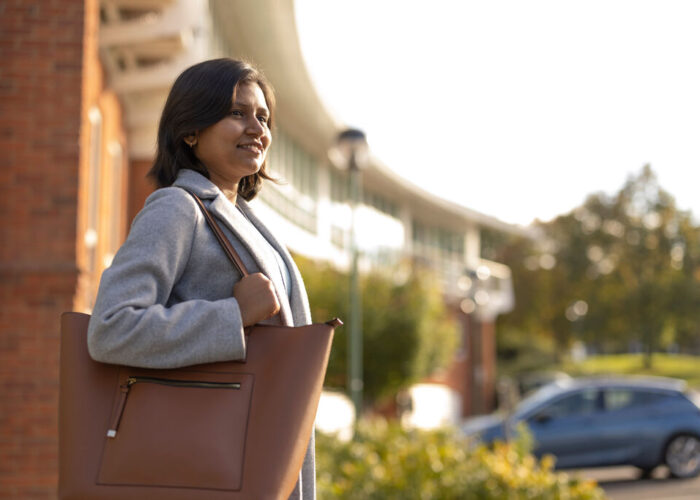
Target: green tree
x,y
407,331
631,261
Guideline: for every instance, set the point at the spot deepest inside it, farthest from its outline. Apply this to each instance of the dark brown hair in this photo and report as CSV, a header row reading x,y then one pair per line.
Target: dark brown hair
x,y
200,97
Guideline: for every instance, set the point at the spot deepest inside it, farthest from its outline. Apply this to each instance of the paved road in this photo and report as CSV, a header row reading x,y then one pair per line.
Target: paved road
x,y
623,483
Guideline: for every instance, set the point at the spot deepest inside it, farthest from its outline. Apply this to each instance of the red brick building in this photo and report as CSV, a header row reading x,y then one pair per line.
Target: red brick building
x,y
55,119
75,143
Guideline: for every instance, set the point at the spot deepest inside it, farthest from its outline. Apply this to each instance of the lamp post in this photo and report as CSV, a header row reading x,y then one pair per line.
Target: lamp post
x,y
352,146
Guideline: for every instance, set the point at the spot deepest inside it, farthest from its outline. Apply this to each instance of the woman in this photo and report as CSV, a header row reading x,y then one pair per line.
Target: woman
x,y
171,298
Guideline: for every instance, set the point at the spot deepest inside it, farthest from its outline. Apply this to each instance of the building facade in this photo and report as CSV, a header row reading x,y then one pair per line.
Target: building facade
x,y
82,85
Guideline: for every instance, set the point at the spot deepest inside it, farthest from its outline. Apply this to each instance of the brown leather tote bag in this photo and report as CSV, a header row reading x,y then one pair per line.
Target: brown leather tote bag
x,y
219,431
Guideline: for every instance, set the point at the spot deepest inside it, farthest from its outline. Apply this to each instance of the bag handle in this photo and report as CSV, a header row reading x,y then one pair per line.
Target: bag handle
x,y
231,252
220,236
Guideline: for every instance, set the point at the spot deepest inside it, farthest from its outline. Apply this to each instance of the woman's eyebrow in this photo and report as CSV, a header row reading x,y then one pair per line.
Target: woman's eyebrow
x,y
249,106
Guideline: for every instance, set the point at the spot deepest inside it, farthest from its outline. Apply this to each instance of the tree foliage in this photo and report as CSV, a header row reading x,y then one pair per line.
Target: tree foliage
x,y
407,331
619,272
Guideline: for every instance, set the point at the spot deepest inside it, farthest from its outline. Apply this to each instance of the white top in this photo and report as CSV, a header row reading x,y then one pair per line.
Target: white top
x,y
271,253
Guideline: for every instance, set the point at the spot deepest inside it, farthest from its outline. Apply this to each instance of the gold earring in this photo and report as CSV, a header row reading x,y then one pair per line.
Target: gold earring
x,y
191,143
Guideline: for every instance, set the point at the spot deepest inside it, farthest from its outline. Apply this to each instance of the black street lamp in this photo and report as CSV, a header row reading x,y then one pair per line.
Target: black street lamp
x,y
352,148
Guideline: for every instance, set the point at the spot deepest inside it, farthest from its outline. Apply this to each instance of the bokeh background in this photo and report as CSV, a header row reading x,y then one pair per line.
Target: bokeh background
x,y
464,299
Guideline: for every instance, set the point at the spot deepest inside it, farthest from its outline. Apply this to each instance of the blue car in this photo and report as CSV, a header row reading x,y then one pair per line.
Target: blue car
x,y
644,422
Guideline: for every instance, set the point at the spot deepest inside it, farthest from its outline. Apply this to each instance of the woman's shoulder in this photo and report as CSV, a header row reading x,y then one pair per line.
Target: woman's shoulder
x,y
170,200
168,207
171,195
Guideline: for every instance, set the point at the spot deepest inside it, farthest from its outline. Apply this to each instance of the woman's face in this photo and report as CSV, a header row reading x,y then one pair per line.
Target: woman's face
x,y
236,146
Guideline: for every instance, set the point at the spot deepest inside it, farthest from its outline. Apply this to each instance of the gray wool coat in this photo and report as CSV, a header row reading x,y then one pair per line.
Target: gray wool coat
x,y
165,302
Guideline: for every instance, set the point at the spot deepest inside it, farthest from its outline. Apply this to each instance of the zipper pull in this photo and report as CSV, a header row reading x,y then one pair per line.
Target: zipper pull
x,y
112,432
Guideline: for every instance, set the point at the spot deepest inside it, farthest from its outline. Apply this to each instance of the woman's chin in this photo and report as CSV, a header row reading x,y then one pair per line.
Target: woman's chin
x,y
253,170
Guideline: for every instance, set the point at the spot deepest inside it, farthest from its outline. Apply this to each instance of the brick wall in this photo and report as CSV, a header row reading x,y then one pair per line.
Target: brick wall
x,y
472,372
140,186
488,361
41,105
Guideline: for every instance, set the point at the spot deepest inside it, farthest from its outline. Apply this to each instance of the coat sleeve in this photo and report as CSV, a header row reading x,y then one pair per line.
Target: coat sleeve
x,y
132,323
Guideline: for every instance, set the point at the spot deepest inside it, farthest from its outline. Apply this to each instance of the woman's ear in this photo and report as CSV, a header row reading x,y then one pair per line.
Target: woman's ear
x,y
191,140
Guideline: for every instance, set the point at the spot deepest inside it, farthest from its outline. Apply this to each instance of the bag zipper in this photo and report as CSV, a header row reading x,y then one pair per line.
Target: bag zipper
x,y
183,383
112,432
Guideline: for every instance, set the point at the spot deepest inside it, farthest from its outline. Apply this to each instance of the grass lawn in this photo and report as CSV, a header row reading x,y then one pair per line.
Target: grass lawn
x,y
665,365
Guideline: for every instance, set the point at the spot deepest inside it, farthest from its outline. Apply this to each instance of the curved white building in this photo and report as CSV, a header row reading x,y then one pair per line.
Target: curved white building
x,y
145,44
83,85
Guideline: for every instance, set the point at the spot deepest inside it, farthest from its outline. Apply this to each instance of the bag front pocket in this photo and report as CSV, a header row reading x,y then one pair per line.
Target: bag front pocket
x,y
179,428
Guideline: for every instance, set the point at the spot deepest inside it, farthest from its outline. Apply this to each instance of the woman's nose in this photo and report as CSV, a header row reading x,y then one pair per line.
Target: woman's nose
x,y
254,127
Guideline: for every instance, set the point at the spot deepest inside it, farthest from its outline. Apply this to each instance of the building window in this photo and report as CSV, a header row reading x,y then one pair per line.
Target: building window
x,y
436,241
117,210
381,203
340,187
493,243
94,179
294,165
340,193
296,197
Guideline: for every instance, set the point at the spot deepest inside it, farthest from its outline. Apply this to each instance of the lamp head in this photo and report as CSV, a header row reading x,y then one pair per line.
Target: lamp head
x,y
351,146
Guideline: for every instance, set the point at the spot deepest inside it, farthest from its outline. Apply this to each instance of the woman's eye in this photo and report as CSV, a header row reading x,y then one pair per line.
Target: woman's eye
x,y
236,112
263,119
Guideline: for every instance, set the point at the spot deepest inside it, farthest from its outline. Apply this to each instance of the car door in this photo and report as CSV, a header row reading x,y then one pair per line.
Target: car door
x,y
632,424
563,427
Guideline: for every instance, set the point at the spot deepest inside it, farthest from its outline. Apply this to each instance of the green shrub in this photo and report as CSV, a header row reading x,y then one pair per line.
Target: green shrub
x,y
407,331
384,461
519,351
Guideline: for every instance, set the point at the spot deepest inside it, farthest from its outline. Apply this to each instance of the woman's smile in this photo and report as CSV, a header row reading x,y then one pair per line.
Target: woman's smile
x,y
236,146
252,147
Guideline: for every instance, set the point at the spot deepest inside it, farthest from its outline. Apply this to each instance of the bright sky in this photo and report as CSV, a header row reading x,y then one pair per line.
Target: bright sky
x,y
517,109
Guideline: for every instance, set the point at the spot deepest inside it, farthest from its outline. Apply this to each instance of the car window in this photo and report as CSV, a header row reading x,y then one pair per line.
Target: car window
x,y
538,397
693,396
622,398
579,403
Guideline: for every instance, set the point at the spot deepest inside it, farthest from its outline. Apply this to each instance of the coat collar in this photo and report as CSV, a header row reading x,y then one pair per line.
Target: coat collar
x,y
227,214
197,183
223,210
299,301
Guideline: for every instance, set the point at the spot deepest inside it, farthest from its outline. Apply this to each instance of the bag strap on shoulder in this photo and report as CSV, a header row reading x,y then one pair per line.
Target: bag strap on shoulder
x,y
220,236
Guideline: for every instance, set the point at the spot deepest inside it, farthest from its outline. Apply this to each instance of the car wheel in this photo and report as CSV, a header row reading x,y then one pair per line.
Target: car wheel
x,y
683,456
